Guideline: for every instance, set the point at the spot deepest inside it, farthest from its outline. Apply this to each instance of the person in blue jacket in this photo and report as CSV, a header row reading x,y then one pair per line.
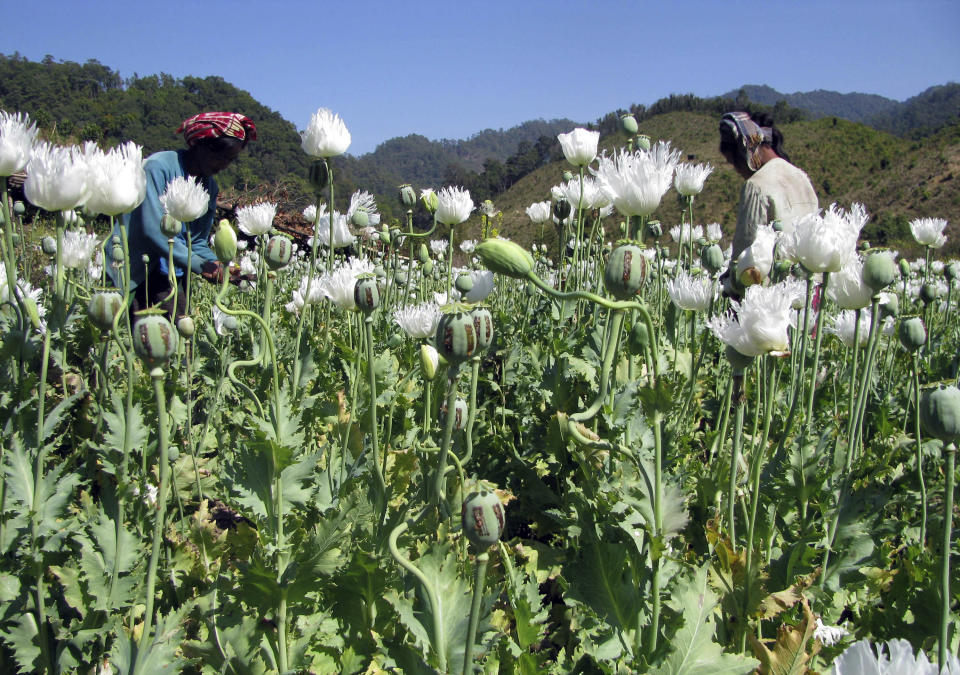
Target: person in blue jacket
x,y
214,140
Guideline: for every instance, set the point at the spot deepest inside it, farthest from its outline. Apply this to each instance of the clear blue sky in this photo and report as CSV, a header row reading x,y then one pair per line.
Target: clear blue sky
x,y
447,69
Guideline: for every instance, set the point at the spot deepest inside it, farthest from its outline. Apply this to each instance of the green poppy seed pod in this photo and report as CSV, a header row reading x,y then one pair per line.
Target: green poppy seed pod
x,y
170,226
879,270
145,259
890,306
366,293
561,209
186,327
408,196
912,333
482,518
665,252
952,271
777,226
864,245
739,362
459,414
154,339
940,413
278,252
625,272
904,268
653,230
225,242
19,208
929,292
424,253
380,272
430,201
428,267
117,253
395,341
103,308
643,142
502,256
483,324
782,268
400,278
464,283
456,337
49,245
429,362
711,257
396,236
629,124
567,176
360,218
319,176
639,338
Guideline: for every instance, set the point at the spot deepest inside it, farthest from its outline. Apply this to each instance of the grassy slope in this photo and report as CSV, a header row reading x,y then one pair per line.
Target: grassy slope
x,y
896,179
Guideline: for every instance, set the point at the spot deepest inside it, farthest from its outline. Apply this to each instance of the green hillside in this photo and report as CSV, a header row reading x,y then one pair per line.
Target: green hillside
x,y
896,179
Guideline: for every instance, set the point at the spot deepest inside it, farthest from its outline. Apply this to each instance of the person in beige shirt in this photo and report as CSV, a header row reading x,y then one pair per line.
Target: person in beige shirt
x,y
775,189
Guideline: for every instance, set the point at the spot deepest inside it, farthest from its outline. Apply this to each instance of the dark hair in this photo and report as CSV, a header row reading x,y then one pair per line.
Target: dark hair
x,y
729,145
766,120
222,144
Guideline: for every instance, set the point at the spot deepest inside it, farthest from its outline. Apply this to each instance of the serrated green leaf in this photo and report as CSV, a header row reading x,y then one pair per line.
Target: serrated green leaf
x,y
693,651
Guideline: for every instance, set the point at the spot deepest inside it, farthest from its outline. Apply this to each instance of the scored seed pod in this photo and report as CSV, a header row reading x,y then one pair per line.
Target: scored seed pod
x,y
456,337
154,339
278,252
625,272
879,270
483,323
459,414
940,413
482,518
912,333
366,294
103,308
225,242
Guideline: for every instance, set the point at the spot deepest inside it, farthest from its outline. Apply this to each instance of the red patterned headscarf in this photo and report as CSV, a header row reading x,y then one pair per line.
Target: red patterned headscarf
x,y
215,124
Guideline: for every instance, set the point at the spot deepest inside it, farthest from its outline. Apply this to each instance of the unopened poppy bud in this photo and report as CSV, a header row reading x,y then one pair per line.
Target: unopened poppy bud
x,y
429,362
408,196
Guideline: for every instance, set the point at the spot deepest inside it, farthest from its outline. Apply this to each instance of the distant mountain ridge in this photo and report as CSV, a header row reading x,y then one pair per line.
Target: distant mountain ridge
x,y
920,115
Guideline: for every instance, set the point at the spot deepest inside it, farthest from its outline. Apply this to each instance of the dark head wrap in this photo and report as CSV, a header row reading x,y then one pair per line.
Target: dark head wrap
x,y
215,124
747,135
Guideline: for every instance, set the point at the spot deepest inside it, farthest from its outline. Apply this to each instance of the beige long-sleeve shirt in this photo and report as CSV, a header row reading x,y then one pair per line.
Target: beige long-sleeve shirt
x,y
777,191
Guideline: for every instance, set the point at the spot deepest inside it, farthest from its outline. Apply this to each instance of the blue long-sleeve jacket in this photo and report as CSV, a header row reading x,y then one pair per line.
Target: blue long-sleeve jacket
x,y
143,224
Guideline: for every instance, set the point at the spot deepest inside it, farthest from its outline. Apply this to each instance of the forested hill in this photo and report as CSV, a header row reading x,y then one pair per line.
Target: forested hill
x,y
90,101
917,117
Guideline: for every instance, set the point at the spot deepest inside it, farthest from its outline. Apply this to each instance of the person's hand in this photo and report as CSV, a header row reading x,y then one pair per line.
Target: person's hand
x,y
212,271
